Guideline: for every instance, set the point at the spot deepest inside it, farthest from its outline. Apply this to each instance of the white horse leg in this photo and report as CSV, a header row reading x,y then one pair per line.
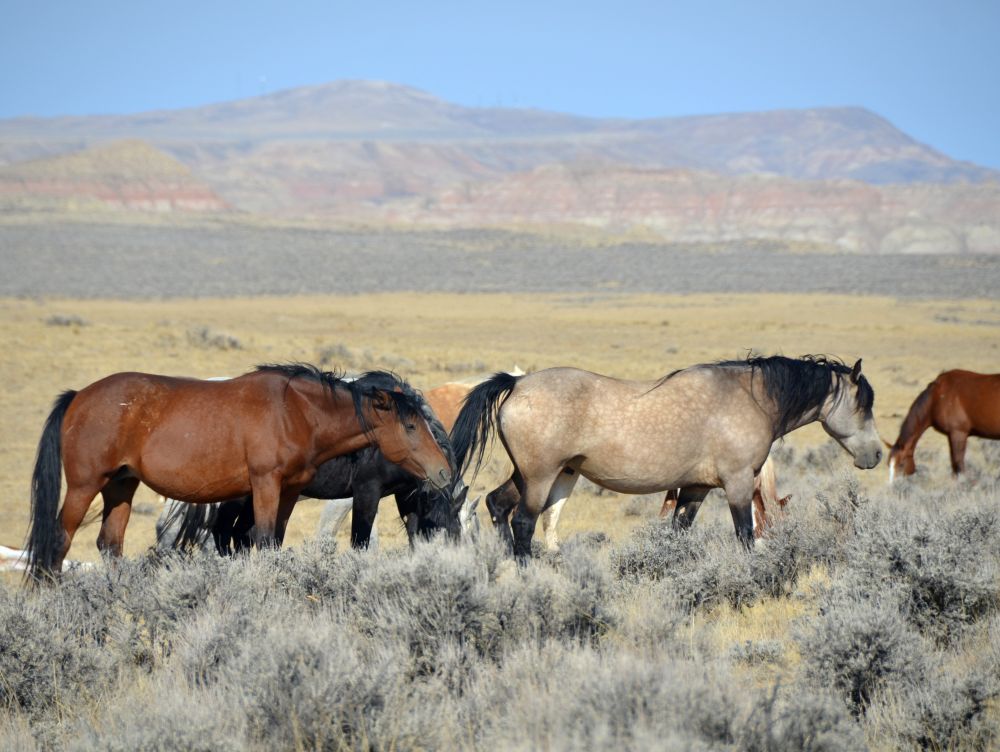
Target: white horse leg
x,y
554,504
550,518
537,492
332,517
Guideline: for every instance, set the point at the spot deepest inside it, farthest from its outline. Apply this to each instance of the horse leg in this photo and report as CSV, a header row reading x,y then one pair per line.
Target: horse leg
x,y
687,505
759,512
223,524
554,505
333,515
243,527
670,502
285,507
366,499
956,443
500,501
550,518
74,508
117,508
266,491
535,498
739,492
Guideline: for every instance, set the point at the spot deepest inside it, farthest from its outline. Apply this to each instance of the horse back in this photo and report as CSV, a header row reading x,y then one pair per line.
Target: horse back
x,y
168,431
968,401
446,402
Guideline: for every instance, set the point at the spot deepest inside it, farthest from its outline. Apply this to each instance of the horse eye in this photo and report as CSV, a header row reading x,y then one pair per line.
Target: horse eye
x,y
411,427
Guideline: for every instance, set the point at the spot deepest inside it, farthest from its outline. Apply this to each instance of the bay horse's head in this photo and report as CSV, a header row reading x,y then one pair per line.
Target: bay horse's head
x,y
402,433
847,416
437,504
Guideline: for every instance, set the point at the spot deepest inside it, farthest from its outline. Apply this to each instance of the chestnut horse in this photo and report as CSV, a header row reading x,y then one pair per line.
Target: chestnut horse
x,y
699,428
264,433
958,404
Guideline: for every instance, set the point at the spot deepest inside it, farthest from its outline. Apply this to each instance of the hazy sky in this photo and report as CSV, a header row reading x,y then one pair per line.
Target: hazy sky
x,y
932,68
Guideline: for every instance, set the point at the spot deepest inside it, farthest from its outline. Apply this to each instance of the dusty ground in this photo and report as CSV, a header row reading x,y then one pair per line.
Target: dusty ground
x,y
53,344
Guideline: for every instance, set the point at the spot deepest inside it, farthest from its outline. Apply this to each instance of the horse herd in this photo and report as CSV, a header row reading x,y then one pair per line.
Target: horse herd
x,y
238,453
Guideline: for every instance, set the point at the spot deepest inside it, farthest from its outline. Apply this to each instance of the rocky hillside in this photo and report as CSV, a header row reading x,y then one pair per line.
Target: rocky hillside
x,y
690,206
836,177
121,175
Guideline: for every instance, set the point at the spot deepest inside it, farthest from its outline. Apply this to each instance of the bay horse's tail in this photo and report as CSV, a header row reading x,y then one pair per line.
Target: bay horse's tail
x,y
45,538
477,419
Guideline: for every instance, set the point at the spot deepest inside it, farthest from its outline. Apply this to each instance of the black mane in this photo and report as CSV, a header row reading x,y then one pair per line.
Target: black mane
x,y
387,382
798,386
304,371
405,400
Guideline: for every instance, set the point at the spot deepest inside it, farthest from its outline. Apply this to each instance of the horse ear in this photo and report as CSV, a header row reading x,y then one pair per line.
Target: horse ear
x,y
458,500
381,400
856,371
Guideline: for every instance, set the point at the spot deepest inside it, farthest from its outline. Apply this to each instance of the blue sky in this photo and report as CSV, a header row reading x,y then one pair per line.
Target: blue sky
x,y
932,68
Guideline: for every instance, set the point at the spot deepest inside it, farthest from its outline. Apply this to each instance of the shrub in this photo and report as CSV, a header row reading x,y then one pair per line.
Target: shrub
x,y
313,683
168,719
800,720
858,645
708,567
45,660
206,338
944,712
945,568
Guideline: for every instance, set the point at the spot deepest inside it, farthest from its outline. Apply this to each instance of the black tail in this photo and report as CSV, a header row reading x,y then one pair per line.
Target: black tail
x,y
184,525
45,538
477,419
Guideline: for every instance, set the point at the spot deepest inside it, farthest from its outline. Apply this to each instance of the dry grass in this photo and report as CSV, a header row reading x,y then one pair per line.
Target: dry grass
x,y
434,338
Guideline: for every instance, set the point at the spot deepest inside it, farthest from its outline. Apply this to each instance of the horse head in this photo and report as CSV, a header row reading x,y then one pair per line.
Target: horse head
x,y
847,416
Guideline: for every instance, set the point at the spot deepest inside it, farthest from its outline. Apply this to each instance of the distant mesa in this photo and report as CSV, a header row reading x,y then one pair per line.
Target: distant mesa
x,y
128,174
840,178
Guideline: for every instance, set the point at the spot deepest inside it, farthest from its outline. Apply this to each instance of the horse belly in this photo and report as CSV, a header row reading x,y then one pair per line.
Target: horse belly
x,y
183,465
642,478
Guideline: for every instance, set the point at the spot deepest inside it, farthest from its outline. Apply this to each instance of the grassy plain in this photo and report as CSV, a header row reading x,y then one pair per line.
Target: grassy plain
x,y
54,344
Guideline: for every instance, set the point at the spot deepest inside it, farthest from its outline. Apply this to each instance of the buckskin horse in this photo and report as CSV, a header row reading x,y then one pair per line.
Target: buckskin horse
x,y
958,404
703,427
264,433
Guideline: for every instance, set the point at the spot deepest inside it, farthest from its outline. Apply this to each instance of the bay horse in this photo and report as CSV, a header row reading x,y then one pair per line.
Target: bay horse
x,y
958,404
707,426
363,477
264,433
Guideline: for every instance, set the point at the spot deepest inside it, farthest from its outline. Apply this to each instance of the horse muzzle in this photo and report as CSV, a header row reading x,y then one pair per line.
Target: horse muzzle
x,y
869,460
441,481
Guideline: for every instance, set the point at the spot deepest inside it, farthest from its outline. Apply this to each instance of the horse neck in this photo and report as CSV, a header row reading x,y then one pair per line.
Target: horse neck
x,y
917,420
772,408
336,428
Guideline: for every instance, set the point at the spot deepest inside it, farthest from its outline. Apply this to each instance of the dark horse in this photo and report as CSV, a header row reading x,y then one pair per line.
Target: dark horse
x,y
703,427
366,475
958,404
264,433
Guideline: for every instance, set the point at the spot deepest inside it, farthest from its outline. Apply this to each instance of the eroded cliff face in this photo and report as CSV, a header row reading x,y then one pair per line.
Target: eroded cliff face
x,y
688,206
130,175
372,152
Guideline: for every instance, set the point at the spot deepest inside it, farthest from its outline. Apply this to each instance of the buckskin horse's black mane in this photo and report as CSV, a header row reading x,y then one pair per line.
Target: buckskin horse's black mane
x,y
797,386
